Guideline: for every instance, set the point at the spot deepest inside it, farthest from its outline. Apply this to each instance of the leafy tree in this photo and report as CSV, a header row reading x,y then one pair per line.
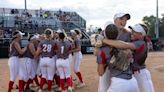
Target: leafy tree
x,y
161,28
150,22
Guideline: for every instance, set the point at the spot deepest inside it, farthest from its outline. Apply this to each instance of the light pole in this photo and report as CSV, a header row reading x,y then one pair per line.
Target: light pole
x,y
25,5
157,21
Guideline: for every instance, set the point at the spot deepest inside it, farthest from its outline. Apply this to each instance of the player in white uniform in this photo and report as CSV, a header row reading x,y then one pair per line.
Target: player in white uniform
x,y
26,69
62,63
14,52
41,37
77,55
141,73
35,64
56,75
103,58
46,50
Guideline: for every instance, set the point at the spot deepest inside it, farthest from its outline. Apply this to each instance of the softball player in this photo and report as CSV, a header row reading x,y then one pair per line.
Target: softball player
x,y
46,50
26,69
13,62
35,64
62,63
57,75
103,57
142,74
77,56
41,38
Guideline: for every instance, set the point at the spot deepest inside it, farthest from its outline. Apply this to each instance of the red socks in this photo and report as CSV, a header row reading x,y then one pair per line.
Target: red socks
x,y
69,82
28,83
57,79
49,85
36,80
79,76
21,85
62,84
42,82
10,86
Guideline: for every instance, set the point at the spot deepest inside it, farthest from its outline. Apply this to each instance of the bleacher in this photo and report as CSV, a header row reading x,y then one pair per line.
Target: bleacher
x,y
38,20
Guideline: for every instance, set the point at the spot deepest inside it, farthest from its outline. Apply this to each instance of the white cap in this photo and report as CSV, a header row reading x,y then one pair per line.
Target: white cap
x,y
21,33
35,37
73,31
59,31
119,15
138,28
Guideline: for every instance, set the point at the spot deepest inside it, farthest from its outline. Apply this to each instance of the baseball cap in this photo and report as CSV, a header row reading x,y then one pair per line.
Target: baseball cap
x,y
119,15
18,32
59,31
35,37
73,31
21,33
138,28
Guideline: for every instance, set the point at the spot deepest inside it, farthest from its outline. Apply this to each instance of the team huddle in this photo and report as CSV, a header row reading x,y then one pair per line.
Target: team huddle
x,y
121,56
48,57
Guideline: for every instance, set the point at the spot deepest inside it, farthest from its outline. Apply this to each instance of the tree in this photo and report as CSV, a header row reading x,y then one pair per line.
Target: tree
x,y
150,22
161,28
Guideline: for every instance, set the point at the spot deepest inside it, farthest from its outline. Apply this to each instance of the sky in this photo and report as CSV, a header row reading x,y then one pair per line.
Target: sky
x,y
95,12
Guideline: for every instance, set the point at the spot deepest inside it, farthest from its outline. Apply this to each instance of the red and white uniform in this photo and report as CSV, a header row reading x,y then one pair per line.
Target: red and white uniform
x,y
47,62
62,62
13,64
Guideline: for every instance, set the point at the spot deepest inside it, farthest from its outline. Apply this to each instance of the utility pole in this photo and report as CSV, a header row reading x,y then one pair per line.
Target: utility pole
x,y
157,21
25,5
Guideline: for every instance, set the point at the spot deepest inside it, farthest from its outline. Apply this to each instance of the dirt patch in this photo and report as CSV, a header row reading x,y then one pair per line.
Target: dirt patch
x,y
154,62
160,69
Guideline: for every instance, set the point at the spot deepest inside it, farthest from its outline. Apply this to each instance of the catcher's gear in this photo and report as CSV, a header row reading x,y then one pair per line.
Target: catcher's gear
x,y
121,59
96,39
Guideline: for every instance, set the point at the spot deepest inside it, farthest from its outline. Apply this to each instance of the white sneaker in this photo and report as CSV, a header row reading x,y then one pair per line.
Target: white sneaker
x,y
45,86
58,89
39,90
70,89
32,85
80,85
55,86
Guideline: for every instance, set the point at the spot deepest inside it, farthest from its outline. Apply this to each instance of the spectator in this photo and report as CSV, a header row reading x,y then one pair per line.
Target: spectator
x,y
1,34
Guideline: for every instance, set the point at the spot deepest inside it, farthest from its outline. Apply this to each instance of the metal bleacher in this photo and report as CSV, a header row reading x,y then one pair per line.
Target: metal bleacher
x,y
35,21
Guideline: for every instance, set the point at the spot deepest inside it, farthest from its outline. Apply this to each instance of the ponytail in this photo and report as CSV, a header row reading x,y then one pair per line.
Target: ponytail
x,y
13,39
